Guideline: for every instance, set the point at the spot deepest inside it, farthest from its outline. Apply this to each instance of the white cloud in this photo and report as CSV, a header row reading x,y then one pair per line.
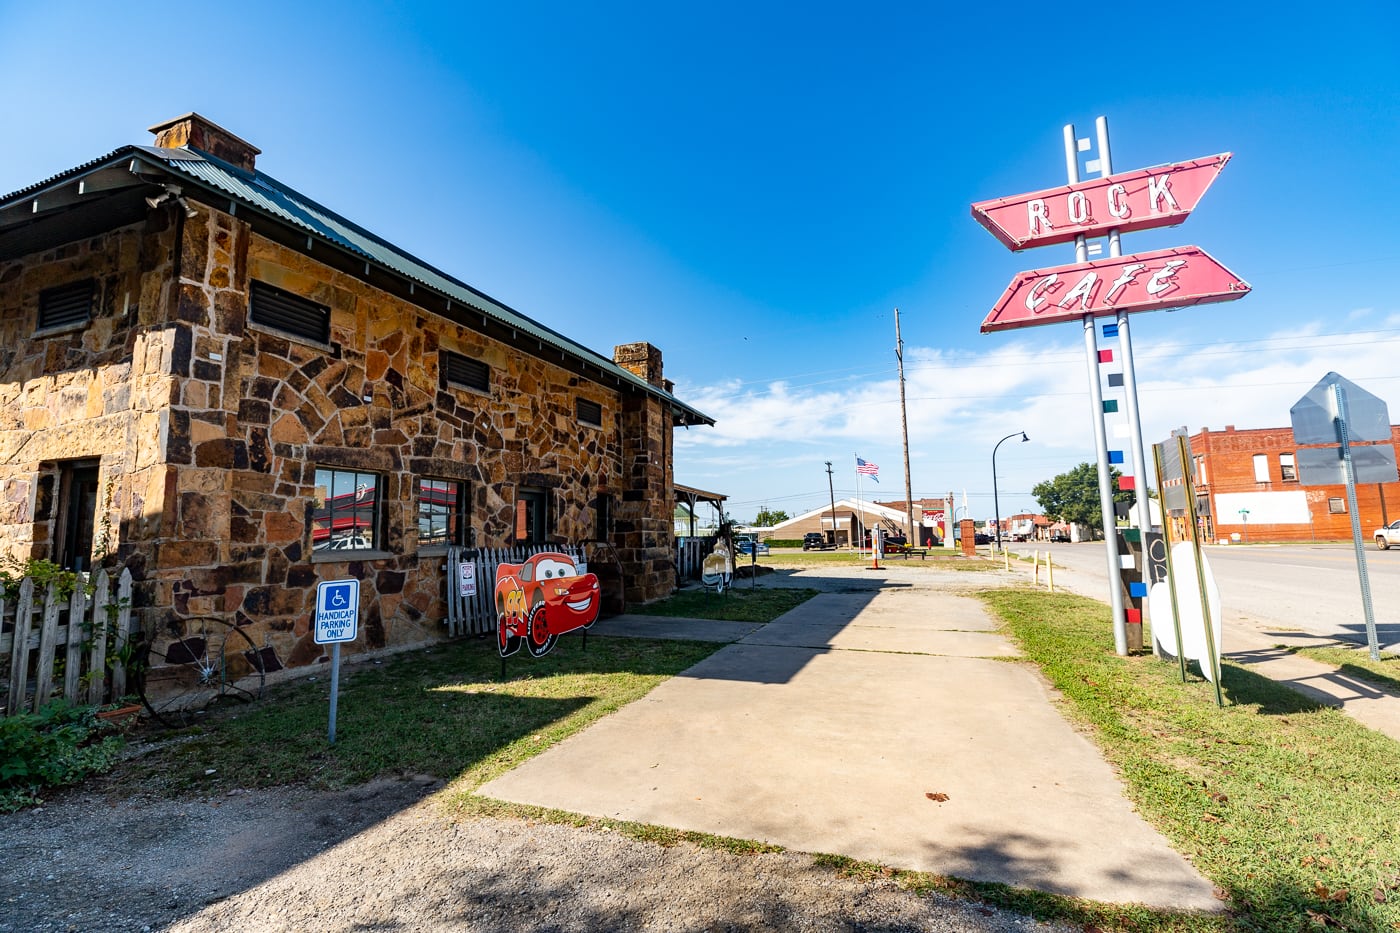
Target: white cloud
x,y
771,440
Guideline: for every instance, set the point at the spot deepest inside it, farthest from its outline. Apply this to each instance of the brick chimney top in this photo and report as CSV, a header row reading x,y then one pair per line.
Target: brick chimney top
x,y
641,359
1229,429
196,132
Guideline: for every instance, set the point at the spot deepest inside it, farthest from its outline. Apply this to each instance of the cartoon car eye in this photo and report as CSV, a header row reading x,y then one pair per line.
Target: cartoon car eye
x,y
554,570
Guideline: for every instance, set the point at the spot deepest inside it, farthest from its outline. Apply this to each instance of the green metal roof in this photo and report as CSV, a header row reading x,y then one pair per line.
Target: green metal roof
x,y
284,205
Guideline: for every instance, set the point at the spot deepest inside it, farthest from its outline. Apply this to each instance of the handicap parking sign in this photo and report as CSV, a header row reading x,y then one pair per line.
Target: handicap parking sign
x,y
337,611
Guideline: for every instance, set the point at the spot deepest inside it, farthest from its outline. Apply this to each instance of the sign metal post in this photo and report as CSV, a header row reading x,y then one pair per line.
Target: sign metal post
x,y
337,620
1337,411
1372,642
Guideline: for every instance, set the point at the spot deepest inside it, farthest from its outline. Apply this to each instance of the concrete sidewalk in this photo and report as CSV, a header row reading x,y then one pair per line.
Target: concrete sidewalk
x,y
882,723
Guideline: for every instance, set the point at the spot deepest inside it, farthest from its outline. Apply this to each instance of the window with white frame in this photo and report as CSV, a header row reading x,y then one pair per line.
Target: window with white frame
x,y
1287,468
1261,468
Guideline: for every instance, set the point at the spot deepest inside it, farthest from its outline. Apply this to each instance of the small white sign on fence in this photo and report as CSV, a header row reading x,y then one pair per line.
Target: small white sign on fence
x,y
467,574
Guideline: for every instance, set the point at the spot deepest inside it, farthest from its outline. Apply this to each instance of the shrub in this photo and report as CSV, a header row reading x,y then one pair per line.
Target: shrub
x,y
61,744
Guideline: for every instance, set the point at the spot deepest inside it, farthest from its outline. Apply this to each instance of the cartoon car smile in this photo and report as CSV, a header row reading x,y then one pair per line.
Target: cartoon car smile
x,y
541,599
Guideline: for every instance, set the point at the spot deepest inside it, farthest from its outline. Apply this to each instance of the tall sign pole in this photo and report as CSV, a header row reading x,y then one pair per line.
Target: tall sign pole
x,y
1125,343
1091,359
1115,287
914,539
1339,396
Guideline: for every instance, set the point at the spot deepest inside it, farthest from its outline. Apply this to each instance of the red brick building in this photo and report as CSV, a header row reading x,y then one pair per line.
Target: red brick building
x,y
1247,484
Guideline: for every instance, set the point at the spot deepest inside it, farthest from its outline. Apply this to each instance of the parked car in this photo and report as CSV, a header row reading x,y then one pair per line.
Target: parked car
x,y
815,541
1388,535
890,537
981,538
746,544
1059,537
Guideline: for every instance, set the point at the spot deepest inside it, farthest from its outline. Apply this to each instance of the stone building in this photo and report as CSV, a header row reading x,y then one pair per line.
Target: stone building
x,y
212,379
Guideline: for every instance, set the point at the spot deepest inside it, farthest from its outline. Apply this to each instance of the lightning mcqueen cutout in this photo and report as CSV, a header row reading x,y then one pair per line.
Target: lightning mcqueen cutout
x,y
541,599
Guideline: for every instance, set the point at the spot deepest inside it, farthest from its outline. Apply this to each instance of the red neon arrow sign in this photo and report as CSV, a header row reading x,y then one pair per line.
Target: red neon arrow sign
x,y
1165,278
1151,197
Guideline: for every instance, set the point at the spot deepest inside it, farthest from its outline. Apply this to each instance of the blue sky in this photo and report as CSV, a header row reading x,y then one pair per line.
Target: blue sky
x,y
754,191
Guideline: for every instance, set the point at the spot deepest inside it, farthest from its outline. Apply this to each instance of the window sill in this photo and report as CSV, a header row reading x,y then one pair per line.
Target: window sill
x,y
55,329
289,335
347,555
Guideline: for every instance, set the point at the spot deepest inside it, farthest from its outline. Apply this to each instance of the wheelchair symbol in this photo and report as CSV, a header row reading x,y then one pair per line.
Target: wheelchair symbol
x,y
338,599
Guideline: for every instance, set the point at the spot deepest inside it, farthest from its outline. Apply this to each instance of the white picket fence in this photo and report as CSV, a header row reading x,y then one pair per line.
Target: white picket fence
x,y
476,614
38,627
691,554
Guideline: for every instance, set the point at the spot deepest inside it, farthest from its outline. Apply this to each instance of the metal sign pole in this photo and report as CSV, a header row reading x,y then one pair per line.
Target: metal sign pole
x,y
1091,356
1340,396
1125,342
335,686
337,619
1171,571
1212,655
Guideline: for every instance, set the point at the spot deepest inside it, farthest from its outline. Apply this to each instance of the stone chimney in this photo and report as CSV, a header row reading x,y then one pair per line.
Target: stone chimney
x,y
641,359
196,132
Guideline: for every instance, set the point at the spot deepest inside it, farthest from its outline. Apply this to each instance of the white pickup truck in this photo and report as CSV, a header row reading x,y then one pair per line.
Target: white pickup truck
x,y
1388,535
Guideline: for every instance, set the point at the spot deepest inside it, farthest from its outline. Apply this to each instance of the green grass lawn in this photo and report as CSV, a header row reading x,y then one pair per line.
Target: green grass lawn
x,y
937,560
445,712
1292,808
739,604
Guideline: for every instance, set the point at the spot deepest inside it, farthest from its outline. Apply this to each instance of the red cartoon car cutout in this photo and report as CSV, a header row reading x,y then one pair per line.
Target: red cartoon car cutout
x,y
541,599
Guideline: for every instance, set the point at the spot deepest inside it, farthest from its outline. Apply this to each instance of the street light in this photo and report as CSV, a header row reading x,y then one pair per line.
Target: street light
x,y
996,507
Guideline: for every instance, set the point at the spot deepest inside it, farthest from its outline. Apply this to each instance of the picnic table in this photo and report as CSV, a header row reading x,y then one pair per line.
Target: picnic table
x,y
904,550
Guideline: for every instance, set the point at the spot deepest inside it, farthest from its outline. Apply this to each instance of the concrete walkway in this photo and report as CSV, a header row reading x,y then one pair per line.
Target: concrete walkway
x,y
882,722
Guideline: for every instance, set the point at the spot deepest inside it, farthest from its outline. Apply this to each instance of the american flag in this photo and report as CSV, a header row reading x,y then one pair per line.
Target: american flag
x,y
869,469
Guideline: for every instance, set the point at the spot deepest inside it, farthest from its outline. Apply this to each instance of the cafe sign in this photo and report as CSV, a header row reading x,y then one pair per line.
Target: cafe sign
x,y
1139,200
1166,278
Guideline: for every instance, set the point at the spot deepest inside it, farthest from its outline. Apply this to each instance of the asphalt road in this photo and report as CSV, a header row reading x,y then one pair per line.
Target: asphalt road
x,y
1313,588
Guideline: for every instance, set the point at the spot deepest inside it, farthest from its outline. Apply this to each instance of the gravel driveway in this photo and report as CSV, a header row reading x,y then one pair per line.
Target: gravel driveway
x,y
386,856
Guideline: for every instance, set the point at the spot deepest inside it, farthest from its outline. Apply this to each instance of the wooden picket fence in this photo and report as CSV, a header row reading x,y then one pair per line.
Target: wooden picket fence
x,y
691,554
476,614
39,627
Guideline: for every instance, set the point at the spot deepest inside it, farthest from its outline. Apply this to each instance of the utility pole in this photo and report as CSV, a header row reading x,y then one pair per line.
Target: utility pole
x,y
832,489
904,423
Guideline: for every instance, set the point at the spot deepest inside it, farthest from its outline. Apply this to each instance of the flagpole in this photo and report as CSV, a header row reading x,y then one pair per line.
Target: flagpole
x,y
860,510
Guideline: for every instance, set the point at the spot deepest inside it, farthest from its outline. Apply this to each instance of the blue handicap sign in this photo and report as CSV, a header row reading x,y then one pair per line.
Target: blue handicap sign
x,y
337,611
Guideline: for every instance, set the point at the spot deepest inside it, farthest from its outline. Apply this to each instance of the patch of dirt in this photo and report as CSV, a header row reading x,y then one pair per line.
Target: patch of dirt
x,y
386,856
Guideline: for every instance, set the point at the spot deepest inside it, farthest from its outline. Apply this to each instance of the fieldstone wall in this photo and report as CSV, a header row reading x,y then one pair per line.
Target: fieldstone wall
x,y
96,391
645,531
259,411
209,431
